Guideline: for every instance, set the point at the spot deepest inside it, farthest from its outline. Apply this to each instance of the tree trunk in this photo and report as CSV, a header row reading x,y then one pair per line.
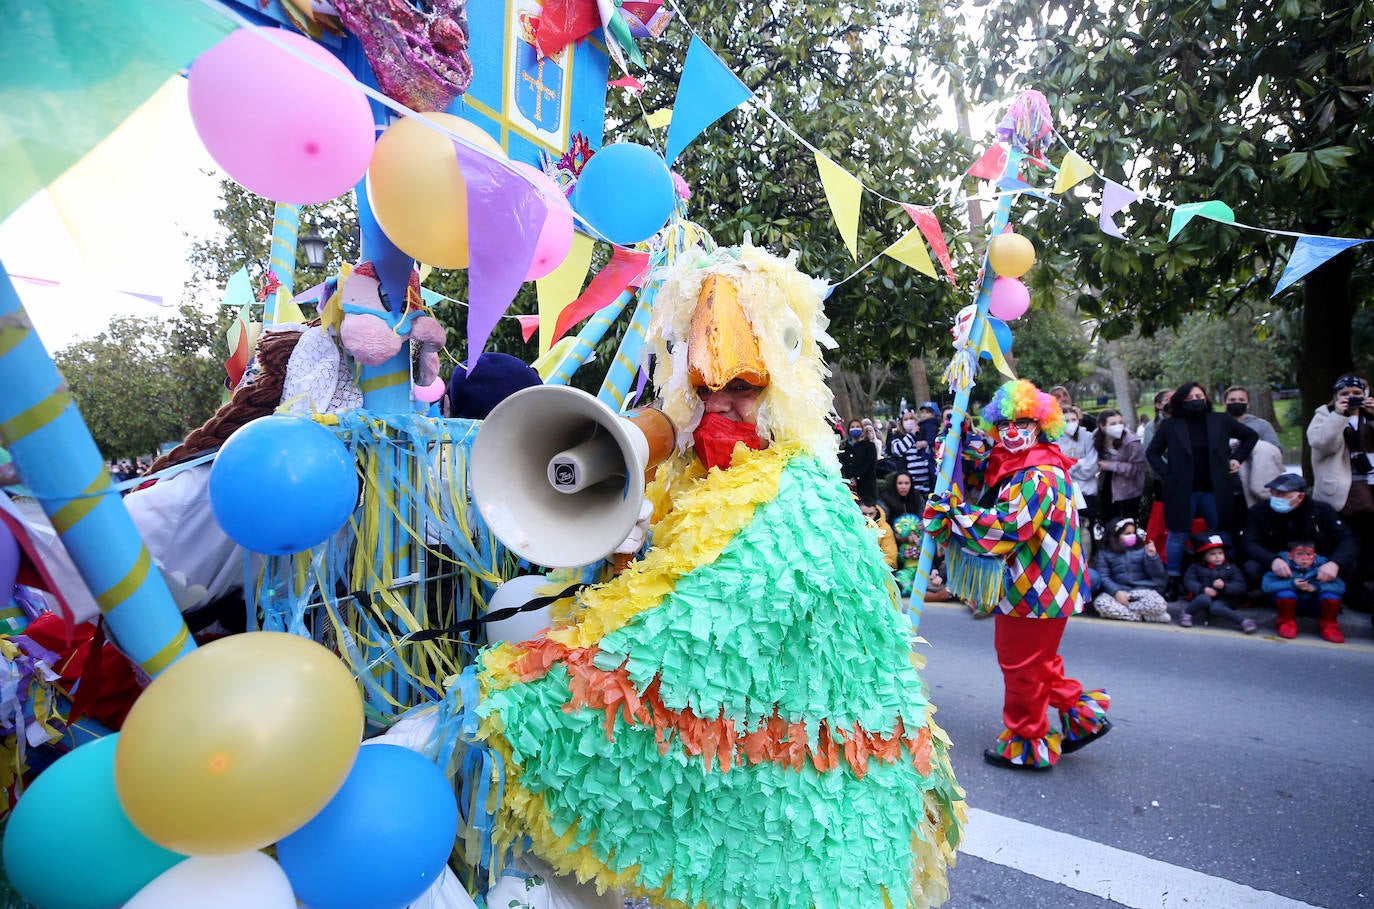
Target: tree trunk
x,y
1121,384
920,384
1262,405
1327,314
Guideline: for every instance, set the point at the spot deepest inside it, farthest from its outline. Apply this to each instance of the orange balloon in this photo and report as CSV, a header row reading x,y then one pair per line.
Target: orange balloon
x,y
238,744
416,189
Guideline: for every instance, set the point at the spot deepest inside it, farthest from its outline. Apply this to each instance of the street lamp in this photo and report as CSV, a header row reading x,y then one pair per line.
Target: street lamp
x,y
314,247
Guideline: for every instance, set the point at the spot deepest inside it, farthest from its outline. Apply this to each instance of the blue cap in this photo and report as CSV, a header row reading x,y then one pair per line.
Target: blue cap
x,y
1287,482
931,406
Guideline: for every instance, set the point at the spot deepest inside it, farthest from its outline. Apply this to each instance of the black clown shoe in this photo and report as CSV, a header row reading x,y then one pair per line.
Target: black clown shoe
x,y
996,760
1069,747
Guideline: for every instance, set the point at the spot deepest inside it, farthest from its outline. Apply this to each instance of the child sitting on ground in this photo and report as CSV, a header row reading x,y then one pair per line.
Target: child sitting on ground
x,y
1304,589
1132,577
1216,585
886,541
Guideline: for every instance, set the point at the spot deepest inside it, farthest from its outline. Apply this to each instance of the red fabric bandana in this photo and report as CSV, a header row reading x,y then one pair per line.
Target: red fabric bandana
x,y
716,437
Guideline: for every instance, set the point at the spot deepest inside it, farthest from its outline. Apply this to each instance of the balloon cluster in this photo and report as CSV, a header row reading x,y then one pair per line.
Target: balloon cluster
x,y
248,741
292,125
1011,256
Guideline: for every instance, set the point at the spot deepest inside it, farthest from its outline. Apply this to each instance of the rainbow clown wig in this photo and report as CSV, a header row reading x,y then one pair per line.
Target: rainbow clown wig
x,y
1020,399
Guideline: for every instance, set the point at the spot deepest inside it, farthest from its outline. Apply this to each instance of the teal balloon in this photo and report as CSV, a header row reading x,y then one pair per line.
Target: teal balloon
x,y
282,484
1002,332
625,193
69,845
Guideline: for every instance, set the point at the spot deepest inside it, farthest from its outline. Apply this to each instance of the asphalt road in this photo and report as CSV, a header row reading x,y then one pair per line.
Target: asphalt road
x,y
1239,768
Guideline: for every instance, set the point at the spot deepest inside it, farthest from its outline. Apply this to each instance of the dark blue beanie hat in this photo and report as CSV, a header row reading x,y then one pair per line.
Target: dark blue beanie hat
x,y
473,393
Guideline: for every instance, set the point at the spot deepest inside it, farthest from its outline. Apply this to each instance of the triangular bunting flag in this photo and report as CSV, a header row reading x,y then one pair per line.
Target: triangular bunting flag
x,y
626,269
630,82
843,191
910,250
1308,254
502,236
659,118
1115,197
529,324
286,311
1213,208
706,92
1072,171
241,337
993,346
561,286
991,165
935,235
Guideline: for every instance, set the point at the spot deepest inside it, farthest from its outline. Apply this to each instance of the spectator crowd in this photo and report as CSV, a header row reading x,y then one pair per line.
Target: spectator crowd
x,y
1192,507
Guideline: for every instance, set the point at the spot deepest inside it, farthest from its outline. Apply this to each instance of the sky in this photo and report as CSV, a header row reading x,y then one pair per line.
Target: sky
x,y
128,207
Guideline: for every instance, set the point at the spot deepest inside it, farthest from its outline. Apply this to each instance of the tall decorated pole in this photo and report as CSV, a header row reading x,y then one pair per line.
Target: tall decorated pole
x,y
286,224
59,461
1024,130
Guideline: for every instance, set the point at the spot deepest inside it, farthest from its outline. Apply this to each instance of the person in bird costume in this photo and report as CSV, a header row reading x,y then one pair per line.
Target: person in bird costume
x,y
1022,543
736,719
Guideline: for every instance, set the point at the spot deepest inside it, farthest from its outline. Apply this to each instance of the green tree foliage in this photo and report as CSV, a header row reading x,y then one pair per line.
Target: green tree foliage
x,y
144,381
856,81
1049,348
1264,105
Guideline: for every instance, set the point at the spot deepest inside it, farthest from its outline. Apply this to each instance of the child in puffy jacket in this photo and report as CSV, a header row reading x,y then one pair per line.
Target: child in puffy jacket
x,y
1304,588
1132,577
1216,585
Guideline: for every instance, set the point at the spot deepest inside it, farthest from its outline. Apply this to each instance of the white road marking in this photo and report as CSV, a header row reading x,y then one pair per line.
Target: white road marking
x,y
1104,871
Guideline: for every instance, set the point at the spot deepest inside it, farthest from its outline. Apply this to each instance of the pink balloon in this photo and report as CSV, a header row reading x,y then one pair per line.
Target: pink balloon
x,y
1010,299
555,240
279,126
430,393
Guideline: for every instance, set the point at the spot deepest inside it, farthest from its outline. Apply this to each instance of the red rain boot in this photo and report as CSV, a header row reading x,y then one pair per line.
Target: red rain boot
x,y
1287,623
1329,627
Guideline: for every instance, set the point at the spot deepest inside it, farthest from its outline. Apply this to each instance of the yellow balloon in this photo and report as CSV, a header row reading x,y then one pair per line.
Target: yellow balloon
x,y
238,744
1011,255
416,188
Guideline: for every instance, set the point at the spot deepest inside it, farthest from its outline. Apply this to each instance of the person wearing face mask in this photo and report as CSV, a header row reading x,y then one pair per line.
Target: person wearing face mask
x,y
859,461
1121,460
1131,577
1237,400
1077,443
1342,438
913,449
1017,554
1197,466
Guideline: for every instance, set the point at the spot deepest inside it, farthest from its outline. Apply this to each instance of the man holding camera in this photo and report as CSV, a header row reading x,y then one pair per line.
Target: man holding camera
x,y
1342,440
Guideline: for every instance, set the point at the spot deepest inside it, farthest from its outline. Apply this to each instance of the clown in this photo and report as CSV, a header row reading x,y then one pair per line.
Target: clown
x,y
1027,520
736,719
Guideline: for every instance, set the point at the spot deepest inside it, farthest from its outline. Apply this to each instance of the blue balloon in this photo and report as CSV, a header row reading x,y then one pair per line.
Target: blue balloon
x,y
625,193
1002,332
282,484
382,841
69,845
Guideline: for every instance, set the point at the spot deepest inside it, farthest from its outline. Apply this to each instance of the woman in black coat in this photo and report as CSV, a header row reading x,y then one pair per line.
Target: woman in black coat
x,y
1191,454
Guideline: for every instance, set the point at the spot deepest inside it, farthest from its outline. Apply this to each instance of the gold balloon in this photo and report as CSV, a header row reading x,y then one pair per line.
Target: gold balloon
x,y
238,744
1011,255
416,188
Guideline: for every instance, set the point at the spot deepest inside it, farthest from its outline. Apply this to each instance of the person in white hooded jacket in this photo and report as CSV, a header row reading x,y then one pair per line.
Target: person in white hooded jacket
x,y
1341,434
1077,443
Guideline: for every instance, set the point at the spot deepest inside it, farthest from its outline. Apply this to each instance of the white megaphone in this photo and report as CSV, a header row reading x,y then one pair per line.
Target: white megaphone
x,y
559,477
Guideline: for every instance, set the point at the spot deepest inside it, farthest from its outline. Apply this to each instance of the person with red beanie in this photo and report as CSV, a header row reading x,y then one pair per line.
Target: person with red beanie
x,y
1017,554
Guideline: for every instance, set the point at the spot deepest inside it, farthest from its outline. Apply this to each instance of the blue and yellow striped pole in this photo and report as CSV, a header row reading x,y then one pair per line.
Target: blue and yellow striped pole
x,y
956,421
620,378
386,388
59,461
286,224
587,339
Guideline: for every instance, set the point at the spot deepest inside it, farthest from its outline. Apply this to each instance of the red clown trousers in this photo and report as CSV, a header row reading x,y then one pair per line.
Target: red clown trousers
x,y
1028,652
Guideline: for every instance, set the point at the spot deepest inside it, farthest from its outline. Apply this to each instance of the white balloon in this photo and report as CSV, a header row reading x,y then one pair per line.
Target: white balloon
x,y
523,625
245,879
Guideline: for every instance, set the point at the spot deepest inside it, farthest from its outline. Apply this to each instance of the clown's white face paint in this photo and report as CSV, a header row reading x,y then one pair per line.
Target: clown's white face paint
x,y
1015,439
